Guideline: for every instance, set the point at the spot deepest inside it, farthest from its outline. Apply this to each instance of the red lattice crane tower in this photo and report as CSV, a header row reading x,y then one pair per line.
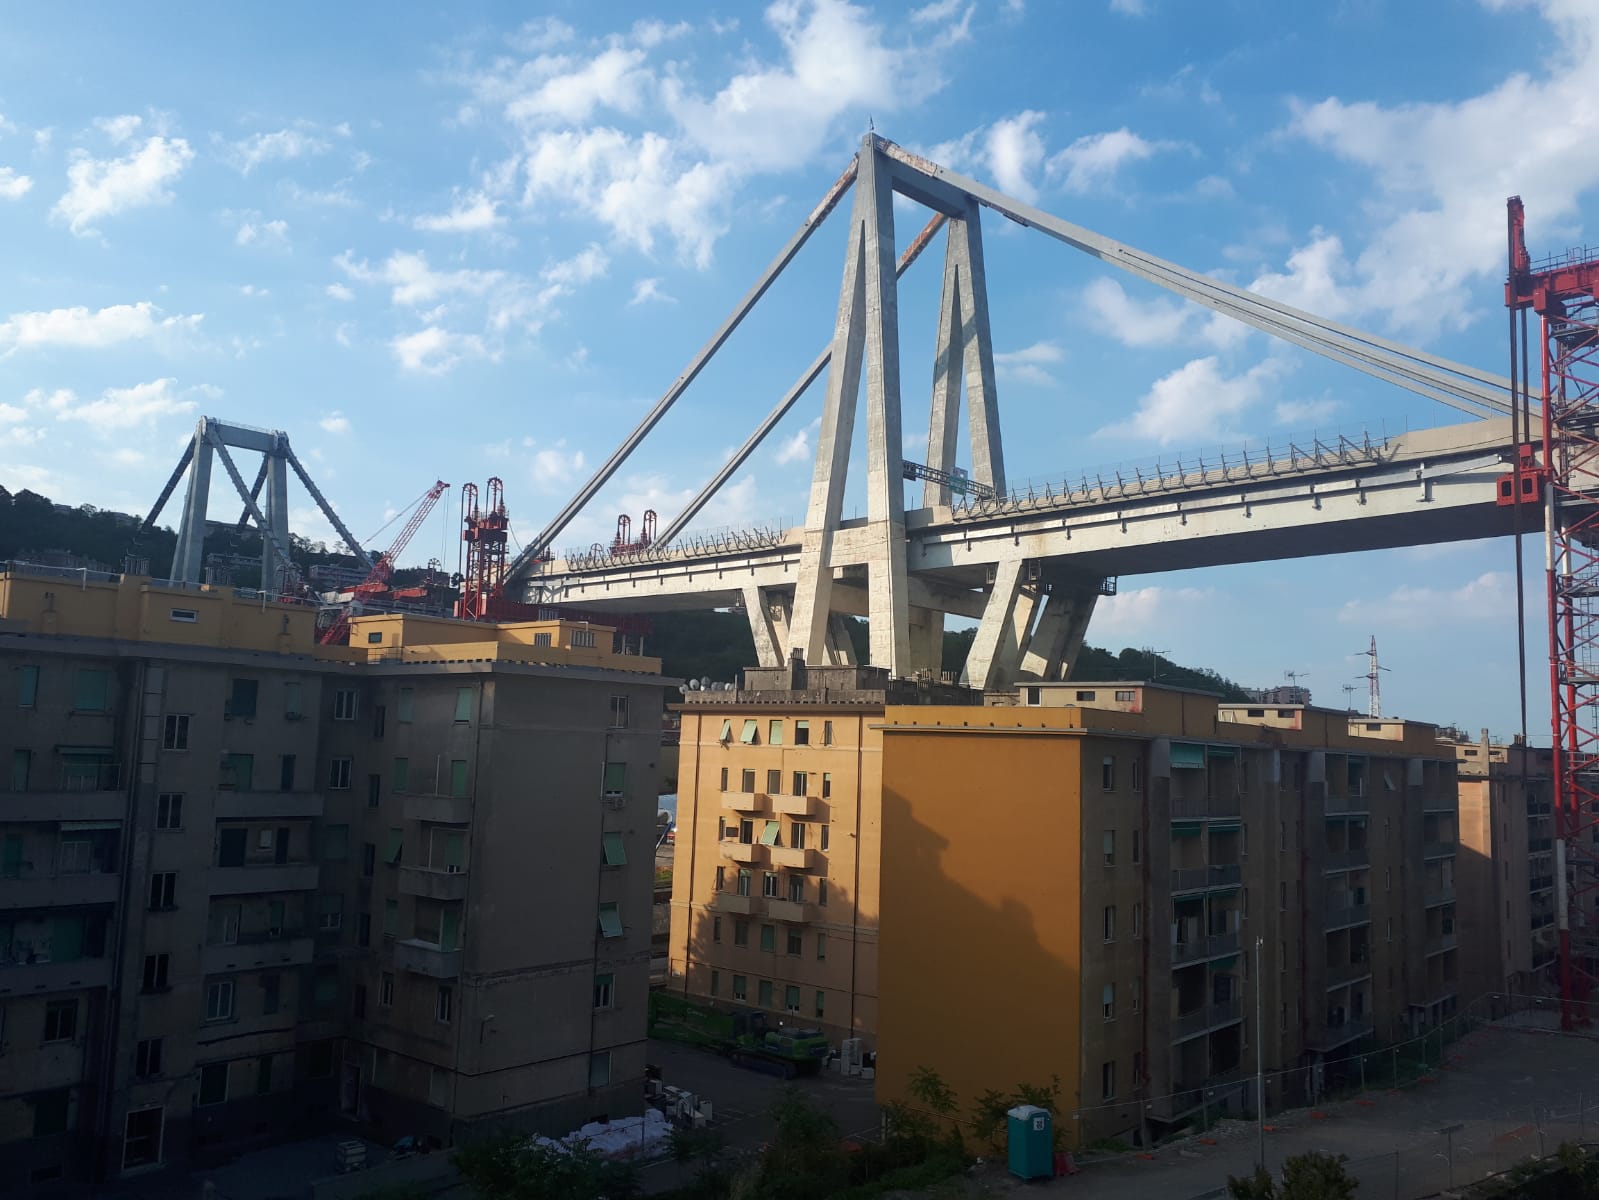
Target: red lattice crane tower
x,y
1564,293
485,532
376,585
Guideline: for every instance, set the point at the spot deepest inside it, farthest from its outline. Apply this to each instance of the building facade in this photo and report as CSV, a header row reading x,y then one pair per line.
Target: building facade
x,y
1102,859
249,886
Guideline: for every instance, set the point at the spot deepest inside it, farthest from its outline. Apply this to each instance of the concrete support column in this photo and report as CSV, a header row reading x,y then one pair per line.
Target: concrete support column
x,y
187,557
1058,638
274,571
1003,632
769,639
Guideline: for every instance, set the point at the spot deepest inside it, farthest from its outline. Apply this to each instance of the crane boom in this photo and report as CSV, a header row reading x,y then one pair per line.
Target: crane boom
x,y
377,580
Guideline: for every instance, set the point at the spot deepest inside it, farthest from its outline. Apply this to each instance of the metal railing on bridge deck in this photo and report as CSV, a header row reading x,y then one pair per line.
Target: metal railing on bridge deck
x,y
1268,461
700,545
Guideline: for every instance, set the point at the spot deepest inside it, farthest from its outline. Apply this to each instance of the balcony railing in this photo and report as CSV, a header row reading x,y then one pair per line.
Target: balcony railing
x,y
746,802
1186,1098
1203,1020
424,958
1439,849
1444,941
433,884
30,890
253,953
1347,973
1192,808
1330,1037
258,880
1348,860
788,910
244,805
793,806
19,977
1346,915
1198,879
1354,802
794,860
732,902
1439,895
438,810
742,852
1200,949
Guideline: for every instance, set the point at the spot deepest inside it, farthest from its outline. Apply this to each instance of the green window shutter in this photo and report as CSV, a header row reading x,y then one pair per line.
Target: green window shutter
x,y
276,911
395,845
391,918
615,778
1187,756
11,856
615,854
765,993
727,731
21,760
90,690
771,832
610,921
291,699
458,777
66,939
406,705
455,851
774,733
450,929
749,734
402,774
463,704
791,997
27,687
769,938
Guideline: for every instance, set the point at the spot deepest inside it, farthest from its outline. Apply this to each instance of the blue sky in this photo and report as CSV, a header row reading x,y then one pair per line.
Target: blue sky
x,y
450,241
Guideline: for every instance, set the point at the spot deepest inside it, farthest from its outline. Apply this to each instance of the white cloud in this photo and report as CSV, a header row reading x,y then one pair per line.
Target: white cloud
x,y
1030,364
83,328
647,290
10,414
434,351
253,231
1135,615
585,266
1095,159
1014,151
335,422
1490,597
614,79
1130,8
12,185
119,129
1157,321
795,448
544,33
104,187
280,146
339,291
414,283
337,196
556,466
1197,403
123,408
938,10
1303,413
473,213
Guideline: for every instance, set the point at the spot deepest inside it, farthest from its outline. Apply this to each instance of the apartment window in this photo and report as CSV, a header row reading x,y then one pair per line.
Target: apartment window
x,y
458,778
741,932
380,720
263,1067
175,732
369,859
405,706
746,781
721,879
764,993
291,701
1033,696
827,733
339,774
363,929
1138,847
791,999
1107,1078
615,778
238,772
1126,696
769,884
582,639
796,942
600,1061
91,690
163,890
772,833
155,972
744,879
219,1000
769,939
604,990
391,918
827,784
147,1058
27,686
358,1002
335,843
1107,1002
1388,877
821,1003
796,889
402,776
802,733
444,1004
716,927
618,712
751,732
610,920
1282,895
774,783
612,851
774,733
1110,922
286,773
826,829
344,704
394,848
543,639
1085,695
716,983
1138,774
21,761
11,856
241,701
330,913
463,704
213,1083
800,781
821,892
740,987
1138,997
1107,774
61,1020
1390,923
386,990
1138,919
1108,846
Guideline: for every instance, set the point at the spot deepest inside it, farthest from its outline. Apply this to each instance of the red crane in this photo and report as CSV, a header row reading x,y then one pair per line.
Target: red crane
x,y
376,584
1564,293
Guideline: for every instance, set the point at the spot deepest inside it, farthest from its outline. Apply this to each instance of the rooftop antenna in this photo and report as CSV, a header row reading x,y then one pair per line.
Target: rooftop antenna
x,y
1293,677
1373,679
1349,696
1154,662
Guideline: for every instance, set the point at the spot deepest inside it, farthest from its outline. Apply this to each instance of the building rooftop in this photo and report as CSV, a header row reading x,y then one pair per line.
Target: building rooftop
x,y
854,686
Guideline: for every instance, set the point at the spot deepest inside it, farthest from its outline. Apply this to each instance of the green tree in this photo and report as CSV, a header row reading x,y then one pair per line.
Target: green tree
x,y
805,1158
514,1167
1258,1186
1310,1176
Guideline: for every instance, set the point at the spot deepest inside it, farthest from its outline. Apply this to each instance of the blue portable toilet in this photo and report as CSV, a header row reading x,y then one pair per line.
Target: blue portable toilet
x,y
1030,1142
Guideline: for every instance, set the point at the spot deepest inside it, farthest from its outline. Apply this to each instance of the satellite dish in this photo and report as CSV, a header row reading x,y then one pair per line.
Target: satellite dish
x,y
693,685
683,687
705,681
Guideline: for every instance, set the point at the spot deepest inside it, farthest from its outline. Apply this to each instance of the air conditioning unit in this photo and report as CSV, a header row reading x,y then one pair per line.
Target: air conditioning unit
x,y
452,869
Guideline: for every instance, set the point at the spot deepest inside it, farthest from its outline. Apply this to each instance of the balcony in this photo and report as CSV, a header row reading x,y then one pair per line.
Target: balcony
x,y
795,860
1441,895
270,877
793,806
1357,802
1199,879
730,902
60,891
1187,1098
438,810
1347,915
742,852
431,884
1200,949
69,805
1442,942
1348,860
424,958
788,910
744,802
1446,803
27,979
1439,849
1203,1020
1347,973
1330,1037
268,804
258,953
1198,808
